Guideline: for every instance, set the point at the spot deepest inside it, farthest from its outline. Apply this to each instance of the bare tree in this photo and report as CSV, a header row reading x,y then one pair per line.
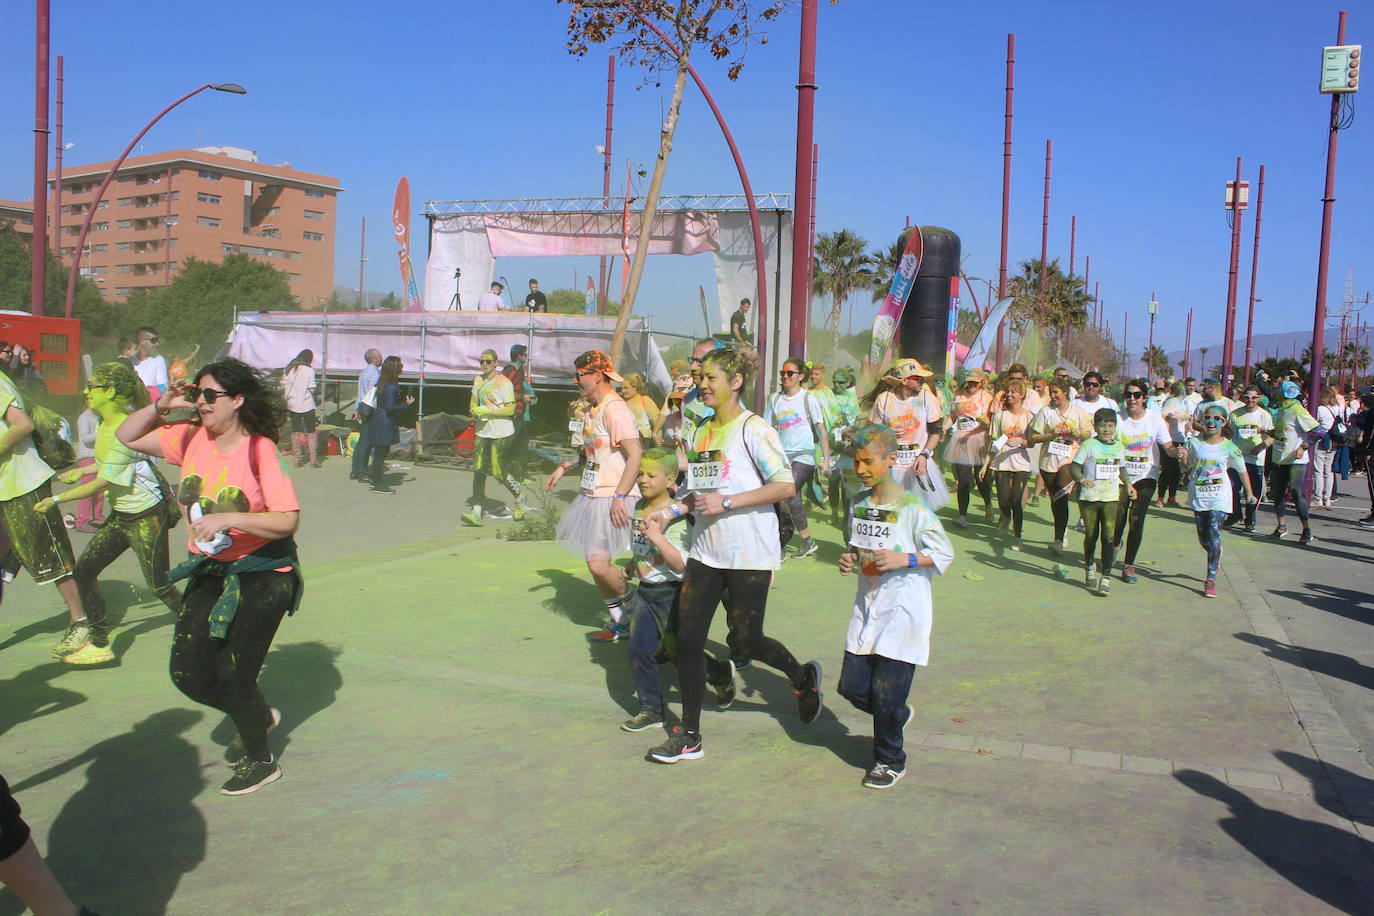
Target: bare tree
x,y
659,35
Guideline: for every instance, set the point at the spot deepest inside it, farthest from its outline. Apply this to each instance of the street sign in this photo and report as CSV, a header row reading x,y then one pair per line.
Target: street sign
x,y
1340,69
1231,195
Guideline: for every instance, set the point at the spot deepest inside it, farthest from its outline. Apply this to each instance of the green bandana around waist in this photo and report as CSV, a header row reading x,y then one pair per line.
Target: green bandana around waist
x,y
270,556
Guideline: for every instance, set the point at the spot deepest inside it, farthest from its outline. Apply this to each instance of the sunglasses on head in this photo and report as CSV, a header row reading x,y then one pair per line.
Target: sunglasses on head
x,y
211,395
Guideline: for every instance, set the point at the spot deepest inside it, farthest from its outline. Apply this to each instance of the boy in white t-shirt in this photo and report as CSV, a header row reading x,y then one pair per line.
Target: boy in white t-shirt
x,y
896,544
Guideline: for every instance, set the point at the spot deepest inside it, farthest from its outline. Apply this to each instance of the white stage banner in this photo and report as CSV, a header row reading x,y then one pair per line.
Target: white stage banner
x,y
459,242
737,277
580,234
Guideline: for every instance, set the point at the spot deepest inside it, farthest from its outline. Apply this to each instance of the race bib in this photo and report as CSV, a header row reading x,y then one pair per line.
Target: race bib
x,y
1209,486
873,529
1250,432
1107,469
906,455
1063,450
999,443
590,473
575,426
1137,467
966,424
705,470
639,544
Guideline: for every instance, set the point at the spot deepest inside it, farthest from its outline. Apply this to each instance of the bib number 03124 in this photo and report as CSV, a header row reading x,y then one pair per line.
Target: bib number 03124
x,y
873,529
705,470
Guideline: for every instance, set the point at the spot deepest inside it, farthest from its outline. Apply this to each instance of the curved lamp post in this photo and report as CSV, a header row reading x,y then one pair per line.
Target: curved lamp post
x,y
235,88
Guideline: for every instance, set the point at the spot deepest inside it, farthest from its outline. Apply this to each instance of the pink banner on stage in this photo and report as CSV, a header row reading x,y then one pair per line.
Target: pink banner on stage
x,y
688,232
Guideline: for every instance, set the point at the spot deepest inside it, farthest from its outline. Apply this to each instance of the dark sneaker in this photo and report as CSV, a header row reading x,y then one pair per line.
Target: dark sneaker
x,y
1128,574
235,752
611,632
643,720
809,696
251,775
725,691
382,488
808,547
739,663
1279,532
1367,522
1306,537
679,746
883,776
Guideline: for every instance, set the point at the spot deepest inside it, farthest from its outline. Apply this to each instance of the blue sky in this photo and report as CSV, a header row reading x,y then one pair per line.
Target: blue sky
x,y
1148,107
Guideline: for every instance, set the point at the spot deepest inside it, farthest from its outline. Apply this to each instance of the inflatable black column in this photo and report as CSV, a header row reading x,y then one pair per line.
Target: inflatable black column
x,y
925,320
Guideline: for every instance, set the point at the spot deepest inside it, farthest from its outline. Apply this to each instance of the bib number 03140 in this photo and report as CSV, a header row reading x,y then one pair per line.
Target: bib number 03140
x,y
705,470
873,529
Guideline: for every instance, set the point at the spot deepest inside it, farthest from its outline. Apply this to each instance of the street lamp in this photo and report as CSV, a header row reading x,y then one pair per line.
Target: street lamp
x,y
233,88
1150,347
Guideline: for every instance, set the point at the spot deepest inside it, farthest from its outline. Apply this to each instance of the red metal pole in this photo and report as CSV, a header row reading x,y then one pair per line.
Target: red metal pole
x,y
1045,221
41,68
57,172
1150,345
1087,275
1254,273
1324,256
801,198
1228,346
167,230
1073,240
1006,190
1188,345
602,292
1126,347
811,231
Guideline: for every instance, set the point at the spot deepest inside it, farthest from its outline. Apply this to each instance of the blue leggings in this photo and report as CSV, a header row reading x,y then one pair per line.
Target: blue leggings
x,y
1209,536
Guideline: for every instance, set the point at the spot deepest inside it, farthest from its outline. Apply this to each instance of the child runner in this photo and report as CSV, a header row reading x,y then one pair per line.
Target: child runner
x,y
1206,461
1099,467
900,402
736,472
968,439
243,574
897,545
1253,428
1292,423
1143,433
797,416
1009,459
847,414
659,548
597,524
138,518
1060,425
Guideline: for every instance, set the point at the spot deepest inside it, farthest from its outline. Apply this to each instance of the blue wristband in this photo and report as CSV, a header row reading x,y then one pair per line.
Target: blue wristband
x,y
912,561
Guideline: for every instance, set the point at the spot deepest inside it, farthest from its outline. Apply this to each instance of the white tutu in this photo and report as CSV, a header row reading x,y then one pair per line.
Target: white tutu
x,y
586,529
931,487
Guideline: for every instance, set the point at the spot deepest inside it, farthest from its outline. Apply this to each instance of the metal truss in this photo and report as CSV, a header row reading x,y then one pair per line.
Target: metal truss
x,y
719,203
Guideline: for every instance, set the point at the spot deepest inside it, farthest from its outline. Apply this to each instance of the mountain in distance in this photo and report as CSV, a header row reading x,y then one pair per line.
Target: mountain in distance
x,y
1262,346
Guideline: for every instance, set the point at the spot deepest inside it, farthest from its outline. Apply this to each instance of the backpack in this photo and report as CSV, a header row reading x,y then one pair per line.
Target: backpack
x,y
56,452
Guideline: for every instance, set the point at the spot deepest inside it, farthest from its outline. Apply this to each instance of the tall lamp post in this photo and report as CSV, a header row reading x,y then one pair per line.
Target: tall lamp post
x,y
1150,347
234,88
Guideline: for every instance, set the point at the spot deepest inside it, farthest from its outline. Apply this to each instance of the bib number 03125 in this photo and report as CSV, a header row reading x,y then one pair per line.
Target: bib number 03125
x,y
705,470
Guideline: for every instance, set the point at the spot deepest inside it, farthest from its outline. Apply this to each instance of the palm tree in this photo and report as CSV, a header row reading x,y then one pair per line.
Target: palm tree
x,y
1202,363
1063,303
840,268
885,264
1156,361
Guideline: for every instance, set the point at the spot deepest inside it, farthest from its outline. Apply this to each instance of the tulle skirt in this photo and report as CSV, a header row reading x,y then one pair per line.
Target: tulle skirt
x,y
930,486
586,529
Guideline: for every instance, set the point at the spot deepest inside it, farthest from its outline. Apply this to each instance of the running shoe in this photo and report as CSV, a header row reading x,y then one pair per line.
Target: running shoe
x,y
1306,537
643,721
1056,547
725,691
1104,585
680,745
1078,525
1016,544
77,635
502,515
1209,588
69,521
383,489
809,696
1128,574
739,663
1174,503
1004,522
1249,527
251,775
1089,574
611,632
473,518
1367,522
1035,499
807,548
1280,531
883,776
235,752
961,521
89,654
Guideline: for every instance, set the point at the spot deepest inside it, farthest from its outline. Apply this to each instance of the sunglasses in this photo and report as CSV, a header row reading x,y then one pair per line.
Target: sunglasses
x,y
583,373
95,387
1092,384
788,373
1135,394
487,362
211,395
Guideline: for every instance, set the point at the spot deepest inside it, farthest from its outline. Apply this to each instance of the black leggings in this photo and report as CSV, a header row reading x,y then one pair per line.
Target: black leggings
x,y
147,536
1256,474
1099,521
1170,476
746,594
1056,481
223,673
1130,518
965,478
378,469
1011,487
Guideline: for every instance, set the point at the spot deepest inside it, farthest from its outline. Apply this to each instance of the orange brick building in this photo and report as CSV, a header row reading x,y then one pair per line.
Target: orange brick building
x,y
205,203
18,214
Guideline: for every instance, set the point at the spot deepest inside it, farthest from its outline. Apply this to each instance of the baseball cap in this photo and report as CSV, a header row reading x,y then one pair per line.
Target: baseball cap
x,y
598,361
1290,389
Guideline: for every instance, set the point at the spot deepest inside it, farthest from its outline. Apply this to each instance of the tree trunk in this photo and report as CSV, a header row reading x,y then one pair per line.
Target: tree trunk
x,y
665,146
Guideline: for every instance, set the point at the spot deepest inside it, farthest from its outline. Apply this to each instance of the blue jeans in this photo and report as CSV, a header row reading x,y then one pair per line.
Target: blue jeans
x,y
880,686
653,640
361,452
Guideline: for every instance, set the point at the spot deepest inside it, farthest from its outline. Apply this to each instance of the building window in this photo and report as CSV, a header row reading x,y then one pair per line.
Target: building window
x,y
207,221
123,290
125,224
101,248
99,271
314,214
275,211
104,205
313,236
311,192
226,248
208,175
207,198
125,201
123,268
294,278
175,195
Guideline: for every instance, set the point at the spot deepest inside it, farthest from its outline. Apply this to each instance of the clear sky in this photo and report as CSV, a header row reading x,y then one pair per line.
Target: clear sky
x,y
1148,106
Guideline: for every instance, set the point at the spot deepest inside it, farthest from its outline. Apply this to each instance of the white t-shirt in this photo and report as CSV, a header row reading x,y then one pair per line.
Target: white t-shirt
x,y
1070,427
737,457
1006,425
1209,487
893,610
908,417
795,417
1248,430
153,371
1327,417
1092,407
1190,401
1291,425
1143,440
1223,402
296,386
489,302
653,569
493,393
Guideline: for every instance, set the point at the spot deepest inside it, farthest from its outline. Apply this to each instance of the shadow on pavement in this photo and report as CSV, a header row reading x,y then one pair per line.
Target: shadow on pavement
x,y
1331,664
577,599
123,841
30,695
1322,860
301,679
1342,601
1351,785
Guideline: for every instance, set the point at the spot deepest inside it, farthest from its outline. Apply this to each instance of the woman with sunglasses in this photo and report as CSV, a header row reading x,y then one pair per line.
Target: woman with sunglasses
x,y
1252,431
900,402
968,439
493,406
243,575
1144,435
1060,426
736,472
1009,460
799,420
140,511
384,425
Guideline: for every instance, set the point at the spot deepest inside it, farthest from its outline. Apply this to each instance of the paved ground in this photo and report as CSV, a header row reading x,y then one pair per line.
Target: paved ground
x,y
450,740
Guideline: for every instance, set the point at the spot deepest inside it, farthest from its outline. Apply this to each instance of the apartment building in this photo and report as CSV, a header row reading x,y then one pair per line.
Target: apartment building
x,y
205,203
19,214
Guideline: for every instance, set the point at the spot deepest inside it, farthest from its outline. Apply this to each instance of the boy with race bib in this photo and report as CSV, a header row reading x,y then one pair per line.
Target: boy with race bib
x,y
1099,467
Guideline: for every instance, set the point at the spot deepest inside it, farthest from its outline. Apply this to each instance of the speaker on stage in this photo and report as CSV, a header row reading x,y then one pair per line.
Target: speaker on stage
x,y
925,320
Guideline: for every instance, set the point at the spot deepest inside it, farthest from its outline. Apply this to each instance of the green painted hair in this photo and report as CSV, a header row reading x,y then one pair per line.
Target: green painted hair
x,y
663,459
743,362
126,383
873,435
